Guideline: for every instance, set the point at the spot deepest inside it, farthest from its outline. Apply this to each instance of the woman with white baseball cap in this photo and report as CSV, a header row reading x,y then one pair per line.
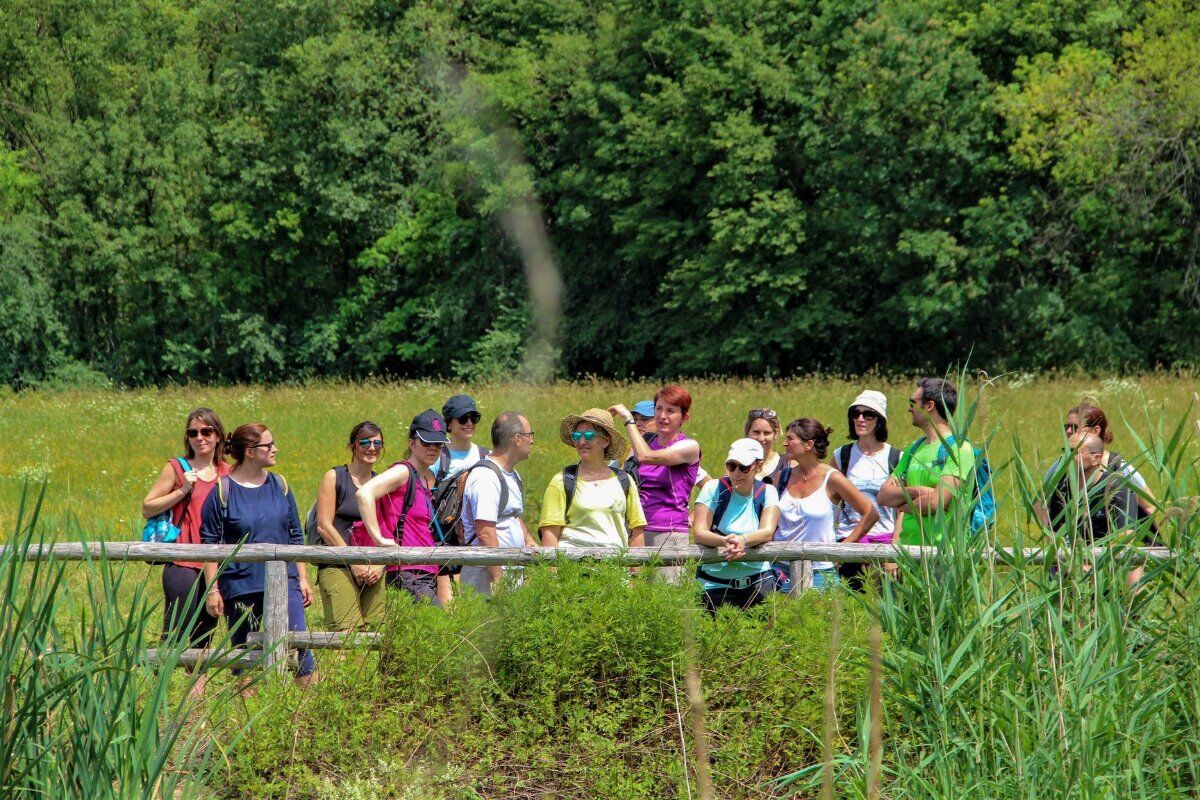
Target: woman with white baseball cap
x,y
867,461
736,512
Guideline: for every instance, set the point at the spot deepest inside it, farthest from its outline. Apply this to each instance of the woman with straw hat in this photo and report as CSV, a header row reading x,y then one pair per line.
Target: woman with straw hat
x,y
592,504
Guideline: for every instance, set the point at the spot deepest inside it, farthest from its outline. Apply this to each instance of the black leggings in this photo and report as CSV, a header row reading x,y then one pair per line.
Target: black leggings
x,y
184,614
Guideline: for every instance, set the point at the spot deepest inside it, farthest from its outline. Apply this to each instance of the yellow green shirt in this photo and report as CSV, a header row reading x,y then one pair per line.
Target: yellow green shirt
x,y
599,512
923,470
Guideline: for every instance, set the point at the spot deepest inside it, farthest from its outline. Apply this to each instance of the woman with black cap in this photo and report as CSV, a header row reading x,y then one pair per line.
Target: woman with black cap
x,y
462,417
397,508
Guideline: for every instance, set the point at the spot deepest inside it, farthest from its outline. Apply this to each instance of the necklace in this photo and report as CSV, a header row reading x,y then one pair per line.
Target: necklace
x,y
806,478
593,476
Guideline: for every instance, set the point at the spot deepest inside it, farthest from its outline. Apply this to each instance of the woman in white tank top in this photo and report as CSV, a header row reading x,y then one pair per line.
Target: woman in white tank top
x,y
808,499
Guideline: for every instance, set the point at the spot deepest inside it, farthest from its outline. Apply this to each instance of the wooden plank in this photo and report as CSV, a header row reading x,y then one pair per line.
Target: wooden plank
x,y
238,658
325,640
275,617
489,556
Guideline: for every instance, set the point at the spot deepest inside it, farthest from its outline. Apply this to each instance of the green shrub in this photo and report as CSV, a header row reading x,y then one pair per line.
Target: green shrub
x,y
570,685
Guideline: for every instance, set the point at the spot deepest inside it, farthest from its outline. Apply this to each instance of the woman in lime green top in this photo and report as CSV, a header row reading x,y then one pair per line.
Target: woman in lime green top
x,y
603,509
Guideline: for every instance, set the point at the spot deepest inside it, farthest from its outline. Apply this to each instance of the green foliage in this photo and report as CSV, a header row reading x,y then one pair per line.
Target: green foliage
x,y
572,685
227,192
85,715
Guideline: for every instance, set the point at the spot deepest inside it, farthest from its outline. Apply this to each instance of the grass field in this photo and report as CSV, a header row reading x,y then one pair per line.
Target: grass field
x,y
101,450
570,686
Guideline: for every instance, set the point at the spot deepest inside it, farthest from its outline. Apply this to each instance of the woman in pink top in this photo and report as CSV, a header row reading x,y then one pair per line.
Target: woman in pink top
x,y
667,468
183,491
382,501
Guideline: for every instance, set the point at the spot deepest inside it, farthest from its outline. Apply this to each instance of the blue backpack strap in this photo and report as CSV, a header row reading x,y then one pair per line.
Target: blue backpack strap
x,y
183,462
760,498
724,495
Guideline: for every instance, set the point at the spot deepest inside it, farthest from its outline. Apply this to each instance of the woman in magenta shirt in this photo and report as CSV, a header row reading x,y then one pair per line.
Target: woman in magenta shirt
x,y
667,468
381,503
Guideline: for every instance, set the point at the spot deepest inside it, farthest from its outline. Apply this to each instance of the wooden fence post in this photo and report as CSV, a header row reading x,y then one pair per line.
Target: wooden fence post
x,y
275,617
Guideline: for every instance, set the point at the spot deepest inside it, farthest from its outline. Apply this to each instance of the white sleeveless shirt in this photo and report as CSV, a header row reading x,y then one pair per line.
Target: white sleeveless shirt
x,y
807,519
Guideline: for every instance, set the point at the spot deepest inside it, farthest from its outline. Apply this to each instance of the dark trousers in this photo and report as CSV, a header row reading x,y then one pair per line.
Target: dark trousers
x,y
244,613
742,598
184,615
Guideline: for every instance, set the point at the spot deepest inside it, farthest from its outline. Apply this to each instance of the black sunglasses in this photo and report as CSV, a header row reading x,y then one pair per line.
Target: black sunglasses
x,y
470,418
731,466
865,413
206,431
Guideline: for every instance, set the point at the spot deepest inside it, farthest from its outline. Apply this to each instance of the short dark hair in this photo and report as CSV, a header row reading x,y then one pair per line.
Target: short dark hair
x,y
943,394
505,427
881,433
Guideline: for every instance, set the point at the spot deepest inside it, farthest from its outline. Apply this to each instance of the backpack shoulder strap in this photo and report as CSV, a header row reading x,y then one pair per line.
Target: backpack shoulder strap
x,y
282,483
760,498
624,479
724,495
906,459
483,451
223,492
443,462
893,459
495,468
410,497
843,458
570,475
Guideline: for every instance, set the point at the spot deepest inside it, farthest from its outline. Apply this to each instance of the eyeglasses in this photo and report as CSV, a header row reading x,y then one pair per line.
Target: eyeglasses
x,y
583,436
763,413
1070,427
369,444
865,413
470,418
914,403
206,432
269,445
733,466
525,433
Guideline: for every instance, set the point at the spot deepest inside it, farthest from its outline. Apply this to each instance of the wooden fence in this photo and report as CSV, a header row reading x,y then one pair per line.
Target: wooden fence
x,y
272,647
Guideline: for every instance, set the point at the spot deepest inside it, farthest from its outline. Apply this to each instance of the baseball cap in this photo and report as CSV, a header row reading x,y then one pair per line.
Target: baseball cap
x,y
643,408
745,452
429,427
458,405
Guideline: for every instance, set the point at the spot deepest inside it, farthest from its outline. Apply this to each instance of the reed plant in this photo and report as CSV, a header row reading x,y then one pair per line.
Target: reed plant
x,y
1025,678
84,713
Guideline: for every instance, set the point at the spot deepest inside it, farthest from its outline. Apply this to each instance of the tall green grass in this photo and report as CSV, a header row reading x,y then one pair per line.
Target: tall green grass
x,y
84,714
1041,680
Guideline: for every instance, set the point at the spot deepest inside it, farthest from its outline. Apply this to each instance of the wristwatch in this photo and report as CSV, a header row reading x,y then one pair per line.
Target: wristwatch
x,y
630,421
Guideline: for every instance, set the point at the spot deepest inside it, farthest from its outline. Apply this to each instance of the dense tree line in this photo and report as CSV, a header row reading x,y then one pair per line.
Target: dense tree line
x,y
230,190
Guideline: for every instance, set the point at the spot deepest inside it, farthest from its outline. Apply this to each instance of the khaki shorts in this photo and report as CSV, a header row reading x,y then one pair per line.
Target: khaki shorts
x,y
349,606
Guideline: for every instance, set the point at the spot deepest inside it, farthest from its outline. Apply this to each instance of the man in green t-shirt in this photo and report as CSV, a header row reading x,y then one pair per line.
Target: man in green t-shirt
x,y
930,475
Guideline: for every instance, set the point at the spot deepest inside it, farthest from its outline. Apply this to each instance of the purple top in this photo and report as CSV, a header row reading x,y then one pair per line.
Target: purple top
x,y
665,491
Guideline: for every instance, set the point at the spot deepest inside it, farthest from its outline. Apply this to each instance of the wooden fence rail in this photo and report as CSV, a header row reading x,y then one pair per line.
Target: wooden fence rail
x,y
274,647
493,556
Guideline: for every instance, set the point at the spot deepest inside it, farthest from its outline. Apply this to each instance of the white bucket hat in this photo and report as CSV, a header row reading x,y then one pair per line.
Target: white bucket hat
x,y
876,401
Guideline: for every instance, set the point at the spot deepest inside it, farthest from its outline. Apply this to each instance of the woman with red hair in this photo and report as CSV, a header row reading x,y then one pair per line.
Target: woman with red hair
x,y
668,465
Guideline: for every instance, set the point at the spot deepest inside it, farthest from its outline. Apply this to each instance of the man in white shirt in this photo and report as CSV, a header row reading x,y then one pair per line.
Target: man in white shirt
x,y
485,523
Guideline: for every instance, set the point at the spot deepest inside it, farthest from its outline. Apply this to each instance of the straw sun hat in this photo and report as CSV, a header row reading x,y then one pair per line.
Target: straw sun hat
x,y
601,419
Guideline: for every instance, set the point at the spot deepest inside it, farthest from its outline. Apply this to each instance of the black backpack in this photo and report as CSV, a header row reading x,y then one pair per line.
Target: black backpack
x,y
571,477
630,467
448,503
443,462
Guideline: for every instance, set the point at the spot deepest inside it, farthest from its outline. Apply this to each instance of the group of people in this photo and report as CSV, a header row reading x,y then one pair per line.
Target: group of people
x,y
630,483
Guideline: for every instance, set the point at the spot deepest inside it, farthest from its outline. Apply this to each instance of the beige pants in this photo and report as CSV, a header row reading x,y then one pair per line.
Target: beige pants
x,y
659,539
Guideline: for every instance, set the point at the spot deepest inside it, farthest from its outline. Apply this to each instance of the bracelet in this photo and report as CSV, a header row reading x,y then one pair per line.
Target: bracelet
x,y
214,589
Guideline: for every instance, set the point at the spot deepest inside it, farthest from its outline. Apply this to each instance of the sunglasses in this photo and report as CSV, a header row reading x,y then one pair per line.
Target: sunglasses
x,y
583,436
865,413
763,413
914,403
733,466
268,445
470,418
1070,427
368,444
206,432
